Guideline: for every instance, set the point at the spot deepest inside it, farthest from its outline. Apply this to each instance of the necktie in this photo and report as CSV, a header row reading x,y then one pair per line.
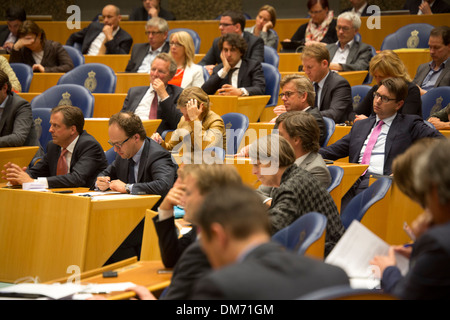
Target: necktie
x,y
372,140
230,74
61,166
102,49
153,107
131,165
316,100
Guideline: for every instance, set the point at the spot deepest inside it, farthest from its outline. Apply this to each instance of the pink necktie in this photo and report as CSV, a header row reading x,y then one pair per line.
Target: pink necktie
x,y
154,107
61,167
372,140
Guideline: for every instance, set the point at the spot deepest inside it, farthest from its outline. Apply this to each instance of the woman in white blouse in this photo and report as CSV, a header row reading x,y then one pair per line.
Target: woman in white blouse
x,y
182,51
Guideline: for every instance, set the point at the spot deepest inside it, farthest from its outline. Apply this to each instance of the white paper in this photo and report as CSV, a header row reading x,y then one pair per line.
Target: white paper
x,y
108,287
356,248
53,291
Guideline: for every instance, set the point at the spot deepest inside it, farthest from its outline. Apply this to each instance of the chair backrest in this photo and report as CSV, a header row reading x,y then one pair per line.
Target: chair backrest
x,y
273,78
346,292
369,78
236,124
75,54
195,37
358,93
271,56
302,233
330,126
215,152
414,35
66,94
110,155
336,173
41,118
205,74
96,77
358,206
434,100
24,74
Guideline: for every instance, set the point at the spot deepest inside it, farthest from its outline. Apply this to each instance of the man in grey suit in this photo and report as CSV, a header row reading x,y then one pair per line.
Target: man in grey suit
x,y
348,54
437,72
235,235
159,94
233,22
143,54
16,120
333,92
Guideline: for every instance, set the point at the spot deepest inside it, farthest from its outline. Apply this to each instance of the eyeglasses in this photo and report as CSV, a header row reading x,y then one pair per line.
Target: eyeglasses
x,y
118,145
384,99
315,12
287,94
176,44
153,33
225,24
345,29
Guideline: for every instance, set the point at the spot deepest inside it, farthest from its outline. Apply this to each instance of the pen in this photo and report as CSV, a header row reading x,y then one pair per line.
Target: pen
x,y
407,245
63,191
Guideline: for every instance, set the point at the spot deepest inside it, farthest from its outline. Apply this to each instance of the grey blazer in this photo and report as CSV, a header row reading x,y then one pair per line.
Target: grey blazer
x,y
138,54
358,58
442,80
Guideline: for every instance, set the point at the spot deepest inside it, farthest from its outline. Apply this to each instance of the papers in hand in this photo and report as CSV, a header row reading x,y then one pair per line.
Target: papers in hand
x,y
354,251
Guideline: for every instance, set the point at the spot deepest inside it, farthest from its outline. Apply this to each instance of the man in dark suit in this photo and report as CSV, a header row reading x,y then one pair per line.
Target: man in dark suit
x,y
150,9
359,7
427,6
73,158
348,54
141,100
235,76
396,132
141,167
437,72
235,235
233,22
333,92
143,54
15,16
103,38
16,120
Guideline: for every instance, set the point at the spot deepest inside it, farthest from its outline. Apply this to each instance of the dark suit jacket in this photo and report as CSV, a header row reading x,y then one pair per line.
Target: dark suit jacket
x,y
255,50
138,54
4,33
358,57
55,59
364,11
140,14
156,174
442,80
120,44
88,159
336,98
404,131
167,109
412,105
330,36
268,272
427,277
250,77
439,6
16,124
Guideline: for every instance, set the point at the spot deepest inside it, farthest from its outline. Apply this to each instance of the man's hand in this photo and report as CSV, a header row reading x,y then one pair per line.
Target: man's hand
x,y
226,64
108,31
15,174
103,183
425,8
174,196
118,185
38,67
229,90
438,124
160,88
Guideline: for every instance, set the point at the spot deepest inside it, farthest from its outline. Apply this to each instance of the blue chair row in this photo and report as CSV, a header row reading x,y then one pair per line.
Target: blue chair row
x,y
434,100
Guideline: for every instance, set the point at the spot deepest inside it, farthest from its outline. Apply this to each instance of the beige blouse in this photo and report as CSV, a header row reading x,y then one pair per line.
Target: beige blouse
x,y
6,68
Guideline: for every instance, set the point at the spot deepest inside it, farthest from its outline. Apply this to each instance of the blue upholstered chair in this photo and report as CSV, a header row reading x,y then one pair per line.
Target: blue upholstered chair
x,y
358,93
41,118
414,35
330,125
336,173
66,94
75,54
434,100
24,74
96,77
273,78
271,56
236,124
110,155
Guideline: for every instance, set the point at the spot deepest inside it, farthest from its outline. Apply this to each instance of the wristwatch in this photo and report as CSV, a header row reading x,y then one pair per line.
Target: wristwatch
x,y
128,188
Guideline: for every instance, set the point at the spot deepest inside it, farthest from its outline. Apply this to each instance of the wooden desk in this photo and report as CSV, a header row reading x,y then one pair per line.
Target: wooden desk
x,y
289,62
98,128
21,156
43,233
144,273
386,217
44,81
251,106
255,131
117,62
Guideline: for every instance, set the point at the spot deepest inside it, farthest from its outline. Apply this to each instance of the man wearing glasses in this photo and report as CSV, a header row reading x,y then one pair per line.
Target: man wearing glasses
x,y
141,166
349,54
103,38
72,159
159,99
233,22
143,54
377,140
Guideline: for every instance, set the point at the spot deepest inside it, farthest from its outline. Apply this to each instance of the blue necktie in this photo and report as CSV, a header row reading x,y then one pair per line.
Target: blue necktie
x,y
131,165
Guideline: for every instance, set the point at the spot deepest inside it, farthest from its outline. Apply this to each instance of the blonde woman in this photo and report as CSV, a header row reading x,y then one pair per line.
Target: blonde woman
x,y
387,64
182,51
